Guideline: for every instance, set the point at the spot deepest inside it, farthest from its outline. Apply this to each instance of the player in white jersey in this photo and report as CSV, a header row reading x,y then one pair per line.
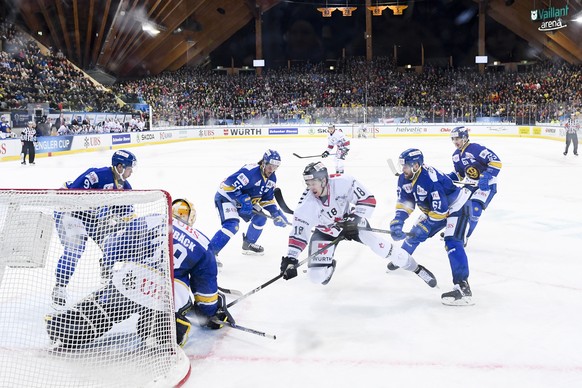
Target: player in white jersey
x,y
337,139
332,206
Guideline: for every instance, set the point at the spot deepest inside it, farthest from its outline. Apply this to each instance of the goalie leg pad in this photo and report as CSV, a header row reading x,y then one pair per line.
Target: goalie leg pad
x,y
78,326
183,327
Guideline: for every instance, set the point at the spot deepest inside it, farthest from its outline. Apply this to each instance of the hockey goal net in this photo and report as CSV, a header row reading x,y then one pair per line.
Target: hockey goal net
x,y
86,290
363,131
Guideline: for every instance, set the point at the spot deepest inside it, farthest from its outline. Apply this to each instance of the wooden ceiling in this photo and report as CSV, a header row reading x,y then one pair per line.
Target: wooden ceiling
x,y
109,33
565,43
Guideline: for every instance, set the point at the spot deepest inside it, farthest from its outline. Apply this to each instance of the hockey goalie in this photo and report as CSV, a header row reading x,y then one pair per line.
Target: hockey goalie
x,y
137,286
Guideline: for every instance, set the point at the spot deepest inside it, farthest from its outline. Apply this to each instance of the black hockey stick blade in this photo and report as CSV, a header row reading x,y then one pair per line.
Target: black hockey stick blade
x,y
281,202
307,156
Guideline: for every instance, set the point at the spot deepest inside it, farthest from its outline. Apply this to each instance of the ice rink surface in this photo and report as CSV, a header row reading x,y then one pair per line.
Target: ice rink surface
x,y
368,327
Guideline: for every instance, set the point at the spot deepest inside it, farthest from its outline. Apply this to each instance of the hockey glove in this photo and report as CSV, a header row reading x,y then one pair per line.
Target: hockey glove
x,y
484,181
289,267
222,314
422,230
245,205
396,230
325,154
349,226
279,219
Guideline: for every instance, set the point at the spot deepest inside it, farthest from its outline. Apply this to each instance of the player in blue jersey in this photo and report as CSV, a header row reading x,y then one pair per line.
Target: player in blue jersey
x,y
194,274
134,254
478,166
5,130
244,195
443,205
74,228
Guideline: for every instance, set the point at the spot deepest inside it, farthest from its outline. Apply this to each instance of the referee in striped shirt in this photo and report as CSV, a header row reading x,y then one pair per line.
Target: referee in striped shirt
x,y
28,138
571,137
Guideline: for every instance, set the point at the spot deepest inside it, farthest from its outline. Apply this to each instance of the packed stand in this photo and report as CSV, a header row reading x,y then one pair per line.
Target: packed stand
x,y
29,76
312,93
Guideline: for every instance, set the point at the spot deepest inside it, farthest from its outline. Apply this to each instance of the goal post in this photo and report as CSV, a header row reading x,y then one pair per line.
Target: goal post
x,y
86,290
363,131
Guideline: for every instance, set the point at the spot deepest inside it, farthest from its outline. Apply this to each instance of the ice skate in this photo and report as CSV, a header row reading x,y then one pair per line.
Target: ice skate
x,y
460,295
426,275
249,248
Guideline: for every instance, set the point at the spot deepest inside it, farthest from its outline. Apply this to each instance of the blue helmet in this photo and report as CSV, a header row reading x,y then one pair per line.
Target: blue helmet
x,y
460,132
411,156
272,157
125,158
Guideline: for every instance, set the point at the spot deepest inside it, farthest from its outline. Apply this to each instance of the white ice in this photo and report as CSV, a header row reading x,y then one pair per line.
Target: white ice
x,y
368,327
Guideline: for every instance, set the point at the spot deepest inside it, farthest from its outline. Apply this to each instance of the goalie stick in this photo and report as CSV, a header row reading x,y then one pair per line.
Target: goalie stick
x,y
309,156
273,280
230,291
458,183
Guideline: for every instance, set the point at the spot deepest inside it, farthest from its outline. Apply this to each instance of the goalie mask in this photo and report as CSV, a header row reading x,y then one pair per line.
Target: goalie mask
x,y
184,210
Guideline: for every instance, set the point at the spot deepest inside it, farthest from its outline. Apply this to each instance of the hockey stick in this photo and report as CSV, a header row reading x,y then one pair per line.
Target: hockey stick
x,y
245,329
273,280
392,167
230,291
262,213
281,202
458,183
309,156
379,230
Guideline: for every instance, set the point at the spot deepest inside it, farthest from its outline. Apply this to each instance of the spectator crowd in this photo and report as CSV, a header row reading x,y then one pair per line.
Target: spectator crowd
x,y
356,90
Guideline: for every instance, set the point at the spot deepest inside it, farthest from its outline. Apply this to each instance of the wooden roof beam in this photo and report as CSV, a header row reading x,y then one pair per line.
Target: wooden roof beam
x,y
77,32
89,34
97,49
63,22
48,18
176,16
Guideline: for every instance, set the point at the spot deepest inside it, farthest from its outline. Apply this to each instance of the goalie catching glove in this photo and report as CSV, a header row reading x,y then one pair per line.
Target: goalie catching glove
x,y
349,226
